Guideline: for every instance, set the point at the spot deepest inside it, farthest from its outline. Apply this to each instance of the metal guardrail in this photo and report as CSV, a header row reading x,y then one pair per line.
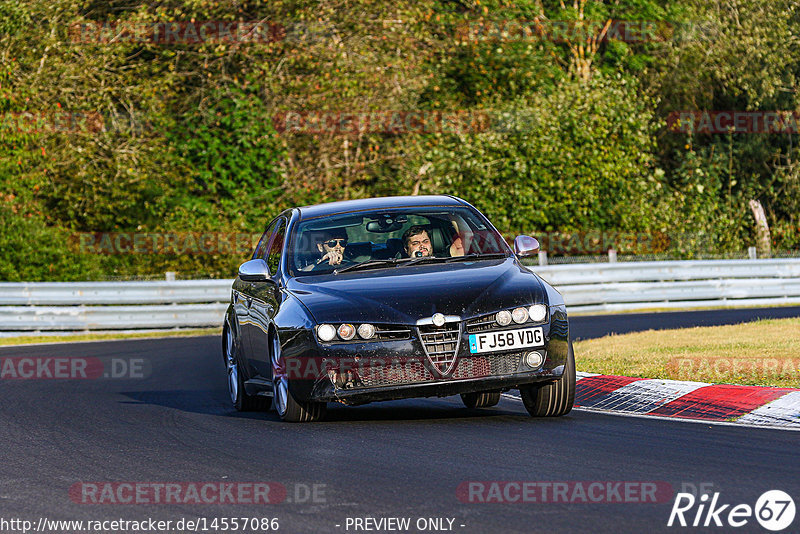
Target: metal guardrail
x,y
71,306
675,284
54,306
95,293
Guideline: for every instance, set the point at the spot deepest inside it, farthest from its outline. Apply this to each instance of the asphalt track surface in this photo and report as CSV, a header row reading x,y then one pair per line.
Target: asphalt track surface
x,y
395,459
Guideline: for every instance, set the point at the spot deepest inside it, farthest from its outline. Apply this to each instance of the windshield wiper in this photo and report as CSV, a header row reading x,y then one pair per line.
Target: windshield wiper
x,y
368,265
422,259
448,259
482,256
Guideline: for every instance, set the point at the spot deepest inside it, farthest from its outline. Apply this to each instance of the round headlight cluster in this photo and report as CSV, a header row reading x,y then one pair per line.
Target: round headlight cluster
x,y
538,312
503,318
366,331
326,332
346,332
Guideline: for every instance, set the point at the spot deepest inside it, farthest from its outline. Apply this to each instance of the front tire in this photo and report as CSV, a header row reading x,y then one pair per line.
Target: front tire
x,y
239,397
289,409
554,399
482,399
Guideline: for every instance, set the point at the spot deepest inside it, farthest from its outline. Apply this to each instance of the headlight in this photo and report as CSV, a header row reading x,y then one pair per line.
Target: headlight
x,y
366,331
326,332
503,318
520,315
537,312
347,331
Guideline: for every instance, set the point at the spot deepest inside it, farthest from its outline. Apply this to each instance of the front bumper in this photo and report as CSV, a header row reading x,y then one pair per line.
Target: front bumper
x,y
358,373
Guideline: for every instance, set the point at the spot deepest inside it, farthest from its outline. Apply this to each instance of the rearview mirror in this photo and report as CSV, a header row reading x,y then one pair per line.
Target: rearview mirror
x,y
525,245
254,271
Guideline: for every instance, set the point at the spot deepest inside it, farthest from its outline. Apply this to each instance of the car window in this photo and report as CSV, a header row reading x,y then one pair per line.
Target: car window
x,y
321,245
276,247
262,243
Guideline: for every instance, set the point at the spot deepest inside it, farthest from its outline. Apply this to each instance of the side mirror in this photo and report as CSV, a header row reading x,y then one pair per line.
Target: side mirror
x,y
254,271
525,245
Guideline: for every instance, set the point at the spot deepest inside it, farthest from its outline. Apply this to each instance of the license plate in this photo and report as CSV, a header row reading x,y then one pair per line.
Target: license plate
x,y
522,338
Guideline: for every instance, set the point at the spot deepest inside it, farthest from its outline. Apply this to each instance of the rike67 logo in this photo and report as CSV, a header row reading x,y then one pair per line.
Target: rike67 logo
x,y
774,510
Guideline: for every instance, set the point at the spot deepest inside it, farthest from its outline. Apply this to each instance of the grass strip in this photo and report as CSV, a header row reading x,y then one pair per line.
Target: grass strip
x,y
765,352
72,338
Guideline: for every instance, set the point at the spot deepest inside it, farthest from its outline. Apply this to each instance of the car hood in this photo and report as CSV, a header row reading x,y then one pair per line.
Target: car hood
x,y
405,294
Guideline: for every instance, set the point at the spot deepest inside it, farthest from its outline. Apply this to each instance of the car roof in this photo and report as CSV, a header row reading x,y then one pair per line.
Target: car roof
x,y
366,204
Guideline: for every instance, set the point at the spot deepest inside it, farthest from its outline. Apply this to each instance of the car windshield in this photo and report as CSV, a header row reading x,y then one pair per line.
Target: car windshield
x,y
391,238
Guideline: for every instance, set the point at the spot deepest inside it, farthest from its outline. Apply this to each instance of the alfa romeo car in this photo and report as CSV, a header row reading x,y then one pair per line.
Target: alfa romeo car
x,y
391,298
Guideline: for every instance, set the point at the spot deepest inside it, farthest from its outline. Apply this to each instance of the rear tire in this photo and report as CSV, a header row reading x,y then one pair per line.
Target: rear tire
x,y
482,399
239,397
289,409
554,399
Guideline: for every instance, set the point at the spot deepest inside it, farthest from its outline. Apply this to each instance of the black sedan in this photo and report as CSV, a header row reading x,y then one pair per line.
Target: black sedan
x,y
392,298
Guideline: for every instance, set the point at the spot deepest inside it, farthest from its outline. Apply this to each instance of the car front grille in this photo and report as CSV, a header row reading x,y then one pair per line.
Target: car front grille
x,y
388,332
441,344
414,371
482,324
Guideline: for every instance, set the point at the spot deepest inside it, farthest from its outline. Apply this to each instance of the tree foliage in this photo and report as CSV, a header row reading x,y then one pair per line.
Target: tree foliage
x,y
183,137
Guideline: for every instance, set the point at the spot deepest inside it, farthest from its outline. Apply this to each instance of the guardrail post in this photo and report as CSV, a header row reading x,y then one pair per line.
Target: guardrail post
x,y
542,258
612,256
170,276
752,253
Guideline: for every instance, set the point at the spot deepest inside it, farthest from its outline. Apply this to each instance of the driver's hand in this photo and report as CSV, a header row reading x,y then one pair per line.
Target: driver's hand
x,y
334,258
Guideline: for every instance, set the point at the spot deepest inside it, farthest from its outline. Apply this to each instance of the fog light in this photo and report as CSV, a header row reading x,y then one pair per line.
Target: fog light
x,y
520,315
503,318
347,331
533,359
366,331
326,332
538,312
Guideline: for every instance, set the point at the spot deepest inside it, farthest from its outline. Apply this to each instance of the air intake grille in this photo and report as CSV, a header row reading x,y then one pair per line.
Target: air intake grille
x,y
482,324
441,345
412,372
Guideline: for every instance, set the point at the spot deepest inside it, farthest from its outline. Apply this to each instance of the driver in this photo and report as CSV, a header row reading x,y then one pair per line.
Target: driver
x,y
416,242
330,244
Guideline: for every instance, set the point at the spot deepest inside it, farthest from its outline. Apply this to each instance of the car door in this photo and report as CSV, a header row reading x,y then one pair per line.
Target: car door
x,y
243,297
265,301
